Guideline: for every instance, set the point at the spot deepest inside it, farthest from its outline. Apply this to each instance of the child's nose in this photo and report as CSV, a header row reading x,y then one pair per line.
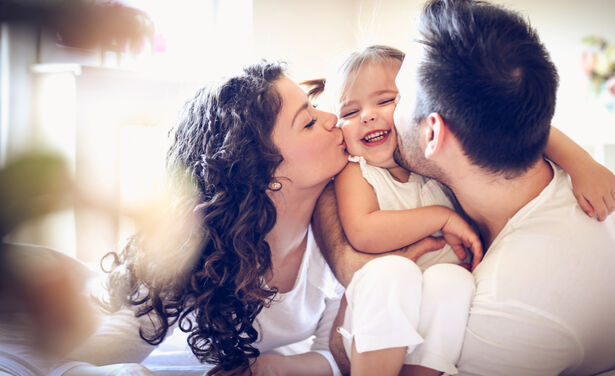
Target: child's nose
x,y
368,117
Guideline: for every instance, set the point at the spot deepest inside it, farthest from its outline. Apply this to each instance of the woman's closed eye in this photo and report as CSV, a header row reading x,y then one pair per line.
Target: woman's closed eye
x,y
312,122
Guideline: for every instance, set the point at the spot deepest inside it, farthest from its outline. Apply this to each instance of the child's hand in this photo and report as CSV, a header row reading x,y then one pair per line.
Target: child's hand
x,y
459,234
594,187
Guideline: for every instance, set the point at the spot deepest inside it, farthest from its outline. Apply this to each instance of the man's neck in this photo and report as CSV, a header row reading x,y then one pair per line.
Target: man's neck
x,y
491,200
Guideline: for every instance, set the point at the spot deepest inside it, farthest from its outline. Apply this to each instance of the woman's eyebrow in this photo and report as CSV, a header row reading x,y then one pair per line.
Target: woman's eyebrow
x,y
302,108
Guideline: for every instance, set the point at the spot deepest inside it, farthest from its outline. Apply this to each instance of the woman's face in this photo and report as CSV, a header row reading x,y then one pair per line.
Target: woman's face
x,y
312,146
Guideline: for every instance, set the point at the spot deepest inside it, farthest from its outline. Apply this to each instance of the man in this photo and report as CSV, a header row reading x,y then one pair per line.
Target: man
x,y
474,112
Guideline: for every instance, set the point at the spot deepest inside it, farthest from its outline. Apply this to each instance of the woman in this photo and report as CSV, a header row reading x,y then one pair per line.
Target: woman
x,y
260,156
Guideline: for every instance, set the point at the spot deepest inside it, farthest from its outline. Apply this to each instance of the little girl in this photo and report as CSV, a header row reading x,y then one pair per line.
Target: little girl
x,y
383,207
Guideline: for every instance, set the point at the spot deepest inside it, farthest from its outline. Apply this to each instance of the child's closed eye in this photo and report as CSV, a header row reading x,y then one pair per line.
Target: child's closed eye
x,y
387,101
348,114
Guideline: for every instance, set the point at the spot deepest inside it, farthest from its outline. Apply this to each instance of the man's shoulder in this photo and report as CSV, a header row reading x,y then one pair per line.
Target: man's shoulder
x,y
550,236
556,216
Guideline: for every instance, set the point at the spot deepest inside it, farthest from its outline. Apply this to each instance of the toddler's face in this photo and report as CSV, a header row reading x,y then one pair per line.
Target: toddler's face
x,y
366,113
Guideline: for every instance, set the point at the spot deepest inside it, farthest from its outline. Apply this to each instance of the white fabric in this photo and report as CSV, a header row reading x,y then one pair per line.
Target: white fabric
x,y
308,310
391,304
545,292
16,359
417,192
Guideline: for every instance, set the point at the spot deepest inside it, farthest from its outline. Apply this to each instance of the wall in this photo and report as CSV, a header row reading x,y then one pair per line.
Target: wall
x,y
561,24
305,34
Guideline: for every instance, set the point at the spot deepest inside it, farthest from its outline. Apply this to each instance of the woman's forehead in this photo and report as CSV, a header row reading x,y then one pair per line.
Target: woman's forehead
x,y
290,92
294,100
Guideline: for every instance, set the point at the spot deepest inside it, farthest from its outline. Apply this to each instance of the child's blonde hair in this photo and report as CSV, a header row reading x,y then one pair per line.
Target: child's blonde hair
x,y
345,74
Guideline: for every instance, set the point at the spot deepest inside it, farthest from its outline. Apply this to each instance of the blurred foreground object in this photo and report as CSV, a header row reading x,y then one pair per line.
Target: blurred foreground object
x,y
43,311
46,310
598,62
86,24
31,186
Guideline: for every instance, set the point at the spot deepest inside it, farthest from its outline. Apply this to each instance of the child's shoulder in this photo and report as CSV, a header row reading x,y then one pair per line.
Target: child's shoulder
x,y
352,169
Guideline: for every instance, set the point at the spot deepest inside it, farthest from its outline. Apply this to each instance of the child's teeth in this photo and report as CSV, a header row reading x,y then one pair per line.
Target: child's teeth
x,y
376,136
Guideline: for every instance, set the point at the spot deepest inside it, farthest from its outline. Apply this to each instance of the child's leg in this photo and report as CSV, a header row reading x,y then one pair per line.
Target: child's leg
x,y
448,290
380,324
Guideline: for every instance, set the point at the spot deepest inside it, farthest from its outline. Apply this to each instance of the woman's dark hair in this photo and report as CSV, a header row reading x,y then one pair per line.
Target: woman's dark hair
x,y
487,74
223,144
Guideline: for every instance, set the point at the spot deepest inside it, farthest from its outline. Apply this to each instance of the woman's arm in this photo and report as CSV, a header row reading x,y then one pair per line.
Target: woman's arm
x,y
110,370
593,184
372,230
307,364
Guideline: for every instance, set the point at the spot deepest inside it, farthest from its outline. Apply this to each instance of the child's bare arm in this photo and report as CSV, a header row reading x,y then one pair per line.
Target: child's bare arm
x,y
372,230
341,257
593,184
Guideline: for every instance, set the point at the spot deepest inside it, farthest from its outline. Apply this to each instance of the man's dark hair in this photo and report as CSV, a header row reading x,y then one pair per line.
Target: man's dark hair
x,y
487,74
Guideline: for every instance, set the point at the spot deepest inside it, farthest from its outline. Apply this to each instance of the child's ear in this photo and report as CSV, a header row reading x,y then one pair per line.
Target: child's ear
x,y
435,130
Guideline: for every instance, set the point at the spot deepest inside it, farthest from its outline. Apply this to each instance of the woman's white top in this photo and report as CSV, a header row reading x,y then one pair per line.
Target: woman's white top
x,y
417,192
306,311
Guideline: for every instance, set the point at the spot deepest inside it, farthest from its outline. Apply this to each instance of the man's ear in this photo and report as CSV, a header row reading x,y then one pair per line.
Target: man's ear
x,y
435,131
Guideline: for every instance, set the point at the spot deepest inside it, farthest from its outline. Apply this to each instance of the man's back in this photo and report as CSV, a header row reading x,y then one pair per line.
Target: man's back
x,y
545,298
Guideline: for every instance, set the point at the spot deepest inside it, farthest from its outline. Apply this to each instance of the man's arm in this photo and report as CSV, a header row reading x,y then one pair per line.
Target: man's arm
x,y
341,257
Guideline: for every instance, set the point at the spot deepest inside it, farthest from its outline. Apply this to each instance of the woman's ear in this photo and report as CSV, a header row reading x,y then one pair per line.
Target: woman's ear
x,y
435,131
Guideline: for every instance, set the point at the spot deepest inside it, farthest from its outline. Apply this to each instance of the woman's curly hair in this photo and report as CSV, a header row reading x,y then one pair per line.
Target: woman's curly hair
x,y
223,144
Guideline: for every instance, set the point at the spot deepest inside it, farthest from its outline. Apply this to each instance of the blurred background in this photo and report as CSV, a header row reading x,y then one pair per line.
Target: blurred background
x,y
99,85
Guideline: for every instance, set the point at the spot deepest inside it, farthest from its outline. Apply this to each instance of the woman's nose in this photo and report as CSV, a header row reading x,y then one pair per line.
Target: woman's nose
x,y
330,121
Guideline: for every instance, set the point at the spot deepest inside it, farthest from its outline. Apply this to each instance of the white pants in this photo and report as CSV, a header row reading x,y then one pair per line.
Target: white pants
x,y
391,304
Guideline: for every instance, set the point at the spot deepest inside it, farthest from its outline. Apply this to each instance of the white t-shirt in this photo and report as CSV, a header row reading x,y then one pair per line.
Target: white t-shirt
x,y
417,192
545,292
309,309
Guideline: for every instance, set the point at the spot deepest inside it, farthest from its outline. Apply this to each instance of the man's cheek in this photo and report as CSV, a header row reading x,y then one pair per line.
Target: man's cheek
x,y
401,124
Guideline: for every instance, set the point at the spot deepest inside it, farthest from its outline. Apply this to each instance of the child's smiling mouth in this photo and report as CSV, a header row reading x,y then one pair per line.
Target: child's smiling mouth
x,y
376,137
